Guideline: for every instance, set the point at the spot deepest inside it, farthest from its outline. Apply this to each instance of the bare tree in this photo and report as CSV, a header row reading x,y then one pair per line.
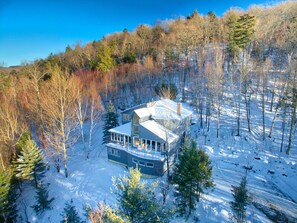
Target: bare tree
x,y
95,109
60,119
12,127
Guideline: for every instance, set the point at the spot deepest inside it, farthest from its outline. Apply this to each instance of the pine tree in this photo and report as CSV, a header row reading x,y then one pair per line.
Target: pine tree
x,y
137,201
8,196
241,199
42,199
30,163
232,47
191,175
244,30
70,214
105,60
110,121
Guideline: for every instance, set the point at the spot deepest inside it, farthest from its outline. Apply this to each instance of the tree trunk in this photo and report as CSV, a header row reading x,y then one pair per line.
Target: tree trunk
x,y
293,120
65,159
263,113
272,123
283,128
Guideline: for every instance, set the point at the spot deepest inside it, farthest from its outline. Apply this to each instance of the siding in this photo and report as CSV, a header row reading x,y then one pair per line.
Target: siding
x,y
128,160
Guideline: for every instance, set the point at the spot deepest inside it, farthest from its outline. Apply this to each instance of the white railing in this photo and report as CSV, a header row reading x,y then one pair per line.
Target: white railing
x,y
139,151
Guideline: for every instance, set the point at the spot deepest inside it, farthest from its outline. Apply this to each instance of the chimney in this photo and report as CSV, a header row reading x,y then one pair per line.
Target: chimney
x,y
179,108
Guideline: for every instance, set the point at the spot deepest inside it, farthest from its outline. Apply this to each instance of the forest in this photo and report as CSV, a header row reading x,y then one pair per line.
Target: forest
x,y
241,59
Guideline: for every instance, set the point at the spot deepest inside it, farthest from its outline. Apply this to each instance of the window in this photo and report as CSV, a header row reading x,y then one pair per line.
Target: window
x,y
158,147
126,117
150,165
141,163
136,141
148,145
135,119
143,145
135,161
153,145
135,128
114,152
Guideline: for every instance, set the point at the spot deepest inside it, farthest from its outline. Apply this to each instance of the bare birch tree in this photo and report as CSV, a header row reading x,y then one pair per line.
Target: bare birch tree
x,y
60,119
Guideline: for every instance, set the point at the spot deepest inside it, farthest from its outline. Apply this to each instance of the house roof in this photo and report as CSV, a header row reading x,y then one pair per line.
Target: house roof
x,y
159,130
122,129
143,112
163,109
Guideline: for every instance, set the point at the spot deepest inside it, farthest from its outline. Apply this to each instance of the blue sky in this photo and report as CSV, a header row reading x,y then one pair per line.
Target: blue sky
x,y
32,29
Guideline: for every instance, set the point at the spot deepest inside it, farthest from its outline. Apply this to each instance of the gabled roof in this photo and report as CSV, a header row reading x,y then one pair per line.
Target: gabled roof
x,y
163,109
142,112
159,130
122,129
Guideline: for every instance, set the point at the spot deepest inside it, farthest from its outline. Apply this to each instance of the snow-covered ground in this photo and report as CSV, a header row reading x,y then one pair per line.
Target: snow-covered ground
x,y
271,176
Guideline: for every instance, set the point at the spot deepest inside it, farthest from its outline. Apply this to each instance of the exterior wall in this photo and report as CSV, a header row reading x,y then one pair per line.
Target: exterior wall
x,y
130,112
144,133
146,166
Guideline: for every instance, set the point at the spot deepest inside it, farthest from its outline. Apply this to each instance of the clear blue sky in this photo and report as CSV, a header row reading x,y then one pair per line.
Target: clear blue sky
x,y
32,29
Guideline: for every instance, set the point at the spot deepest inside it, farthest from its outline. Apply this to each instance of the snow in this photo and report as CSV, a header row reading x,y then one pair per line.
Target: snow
x,y
163,109
167,109
159,131
122,129
143,112
90,181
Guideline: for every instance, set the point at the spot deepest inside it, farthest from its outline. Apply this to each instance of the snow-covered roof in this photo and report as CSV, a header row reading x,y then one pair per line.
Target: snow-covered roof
x,y
163,109
159,130
142,112
122,129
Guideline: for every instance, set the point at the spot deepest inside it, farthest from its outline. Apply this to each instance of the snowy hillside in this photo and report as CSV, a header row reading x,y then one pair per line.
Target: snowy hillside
x,y
271,176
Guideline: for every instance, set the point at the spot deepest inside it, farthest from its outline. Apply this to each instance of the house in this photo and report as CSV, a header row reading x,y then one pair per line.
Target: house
x,y
150,134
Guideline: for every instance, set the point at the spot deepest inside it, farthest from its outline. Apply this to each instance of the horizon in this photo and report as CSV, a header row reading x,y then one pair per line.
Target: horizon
x,y
42,28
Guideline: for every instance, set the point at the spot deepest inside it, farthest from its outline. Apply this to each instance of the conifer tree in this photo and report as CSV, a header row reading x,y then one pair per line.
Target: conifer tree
x,y
244,30
110,121
191,175
8,196
137,201
70,214
240,195
105,60
30,163
232,47
42,199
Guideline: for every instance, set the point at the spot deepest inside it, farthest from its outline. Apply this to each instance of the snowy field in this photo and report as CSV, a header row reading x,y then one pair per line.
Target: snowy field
x,y
271,176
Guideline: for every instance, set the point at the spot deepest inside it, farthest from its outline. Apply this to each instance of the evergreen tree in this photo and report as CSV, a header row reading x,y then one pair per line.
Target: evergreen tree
x,y
105,60
244,30
240,202
30,163
191,175
70,214
8,196
232,47
137,201
26,136
110,121
42,199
